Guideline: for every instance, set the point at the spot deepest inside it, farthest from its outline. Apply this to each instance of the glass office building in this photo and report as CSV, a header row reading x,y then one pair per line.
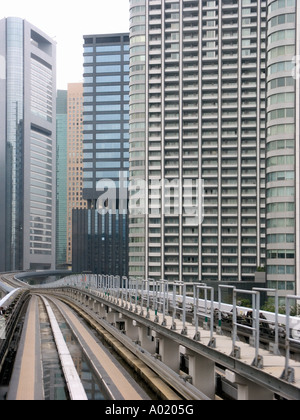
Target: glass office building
x,y
27,147
103,227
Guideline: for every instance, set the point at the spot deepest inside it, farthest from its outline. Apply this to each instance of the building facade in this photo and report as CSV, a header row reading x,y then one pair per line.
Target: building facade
x,y
74,158
283,146
27,147
100,233
197,112
61,177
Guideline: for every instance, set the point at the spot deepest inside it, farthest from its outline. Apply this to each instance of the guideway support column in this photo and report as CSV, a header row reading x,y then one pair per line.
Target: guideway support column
x,y
248,390
146,340
169,352
102,311
202,371
132,330
111,315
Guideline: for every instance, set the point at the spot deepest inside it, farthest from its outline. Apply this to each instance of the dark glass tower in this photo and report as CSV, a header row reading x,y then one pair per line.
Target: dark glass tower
x,y
27,147
100,233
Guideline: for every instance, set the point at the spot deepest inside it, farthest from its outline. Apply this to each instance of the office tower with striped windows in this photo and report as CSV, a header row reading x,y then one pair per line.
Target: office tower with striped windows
x,y
27,147
100,233
198,112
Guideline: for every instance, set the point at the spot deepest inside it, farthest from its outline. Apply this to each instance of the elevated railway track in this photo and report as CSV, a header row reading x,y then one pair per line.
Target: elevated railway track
x,y
188,342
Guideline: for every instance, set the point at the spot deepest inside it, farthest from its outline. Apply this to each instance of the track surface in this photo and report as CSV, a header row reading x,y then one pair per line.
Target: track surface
x,y
27,382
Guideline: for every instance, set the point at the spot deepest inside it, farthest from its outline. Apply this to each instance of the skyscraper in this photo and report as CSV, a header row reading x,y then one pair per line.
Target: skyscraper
x,y
100,233
61,177
27,147
197,111
75,158
283,146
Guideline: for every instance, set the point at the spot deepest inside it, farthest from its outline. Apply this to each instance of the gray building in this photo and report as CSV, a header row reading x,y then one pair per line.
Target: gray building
x,y
27,147
100,233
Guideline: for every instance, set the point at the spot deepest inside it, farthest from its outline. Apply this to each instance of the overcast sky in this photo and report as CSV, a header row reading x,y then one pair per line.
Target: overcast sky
x,y
66,21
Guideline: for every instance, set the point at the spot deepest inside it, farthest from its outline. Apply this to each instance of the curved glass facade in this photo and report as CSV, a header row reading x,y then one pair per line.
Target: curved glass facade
x,y
281,146
138,135
28,141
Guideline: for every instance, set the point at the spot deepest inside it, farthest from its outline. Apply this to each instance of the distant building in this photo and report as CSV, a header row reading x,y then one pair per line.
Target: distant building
x,y
61,178
27,147
100,235
74,159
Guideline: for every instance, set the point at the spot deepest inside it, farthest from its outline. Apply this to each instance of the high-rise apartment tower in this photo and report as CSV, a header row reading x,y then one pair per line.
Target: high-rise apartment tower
x,y
197,112
283,146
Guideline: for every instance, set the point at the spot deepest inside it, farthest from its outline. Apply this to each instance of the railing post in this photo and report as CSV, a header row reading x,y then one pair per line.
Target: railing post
x,y
144,282
155,301
136,295
184,328
148,299
197,336
163,283
258,360
236,351
219,326
126,292
275,346
212,341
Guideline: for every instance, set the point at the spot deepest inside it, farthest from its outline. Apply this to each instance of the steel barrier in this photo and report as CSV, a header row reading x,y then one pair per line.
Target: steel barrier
x,y
170,298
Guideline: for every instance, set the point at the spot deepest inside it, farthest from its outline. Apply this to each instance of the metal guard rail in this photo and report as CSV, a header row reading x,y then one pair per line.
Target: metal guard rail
x,y
139,295
10,324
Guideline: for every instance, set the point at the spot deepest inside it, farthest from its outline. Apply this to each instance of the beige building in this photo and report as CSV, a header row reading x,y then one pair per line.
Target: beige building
x,y
75,158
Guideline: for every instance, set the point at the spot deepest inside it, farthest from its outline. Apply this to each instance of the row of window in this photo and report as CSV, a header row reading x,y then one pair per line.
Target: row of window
x,y
281,269
106,49
108,79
